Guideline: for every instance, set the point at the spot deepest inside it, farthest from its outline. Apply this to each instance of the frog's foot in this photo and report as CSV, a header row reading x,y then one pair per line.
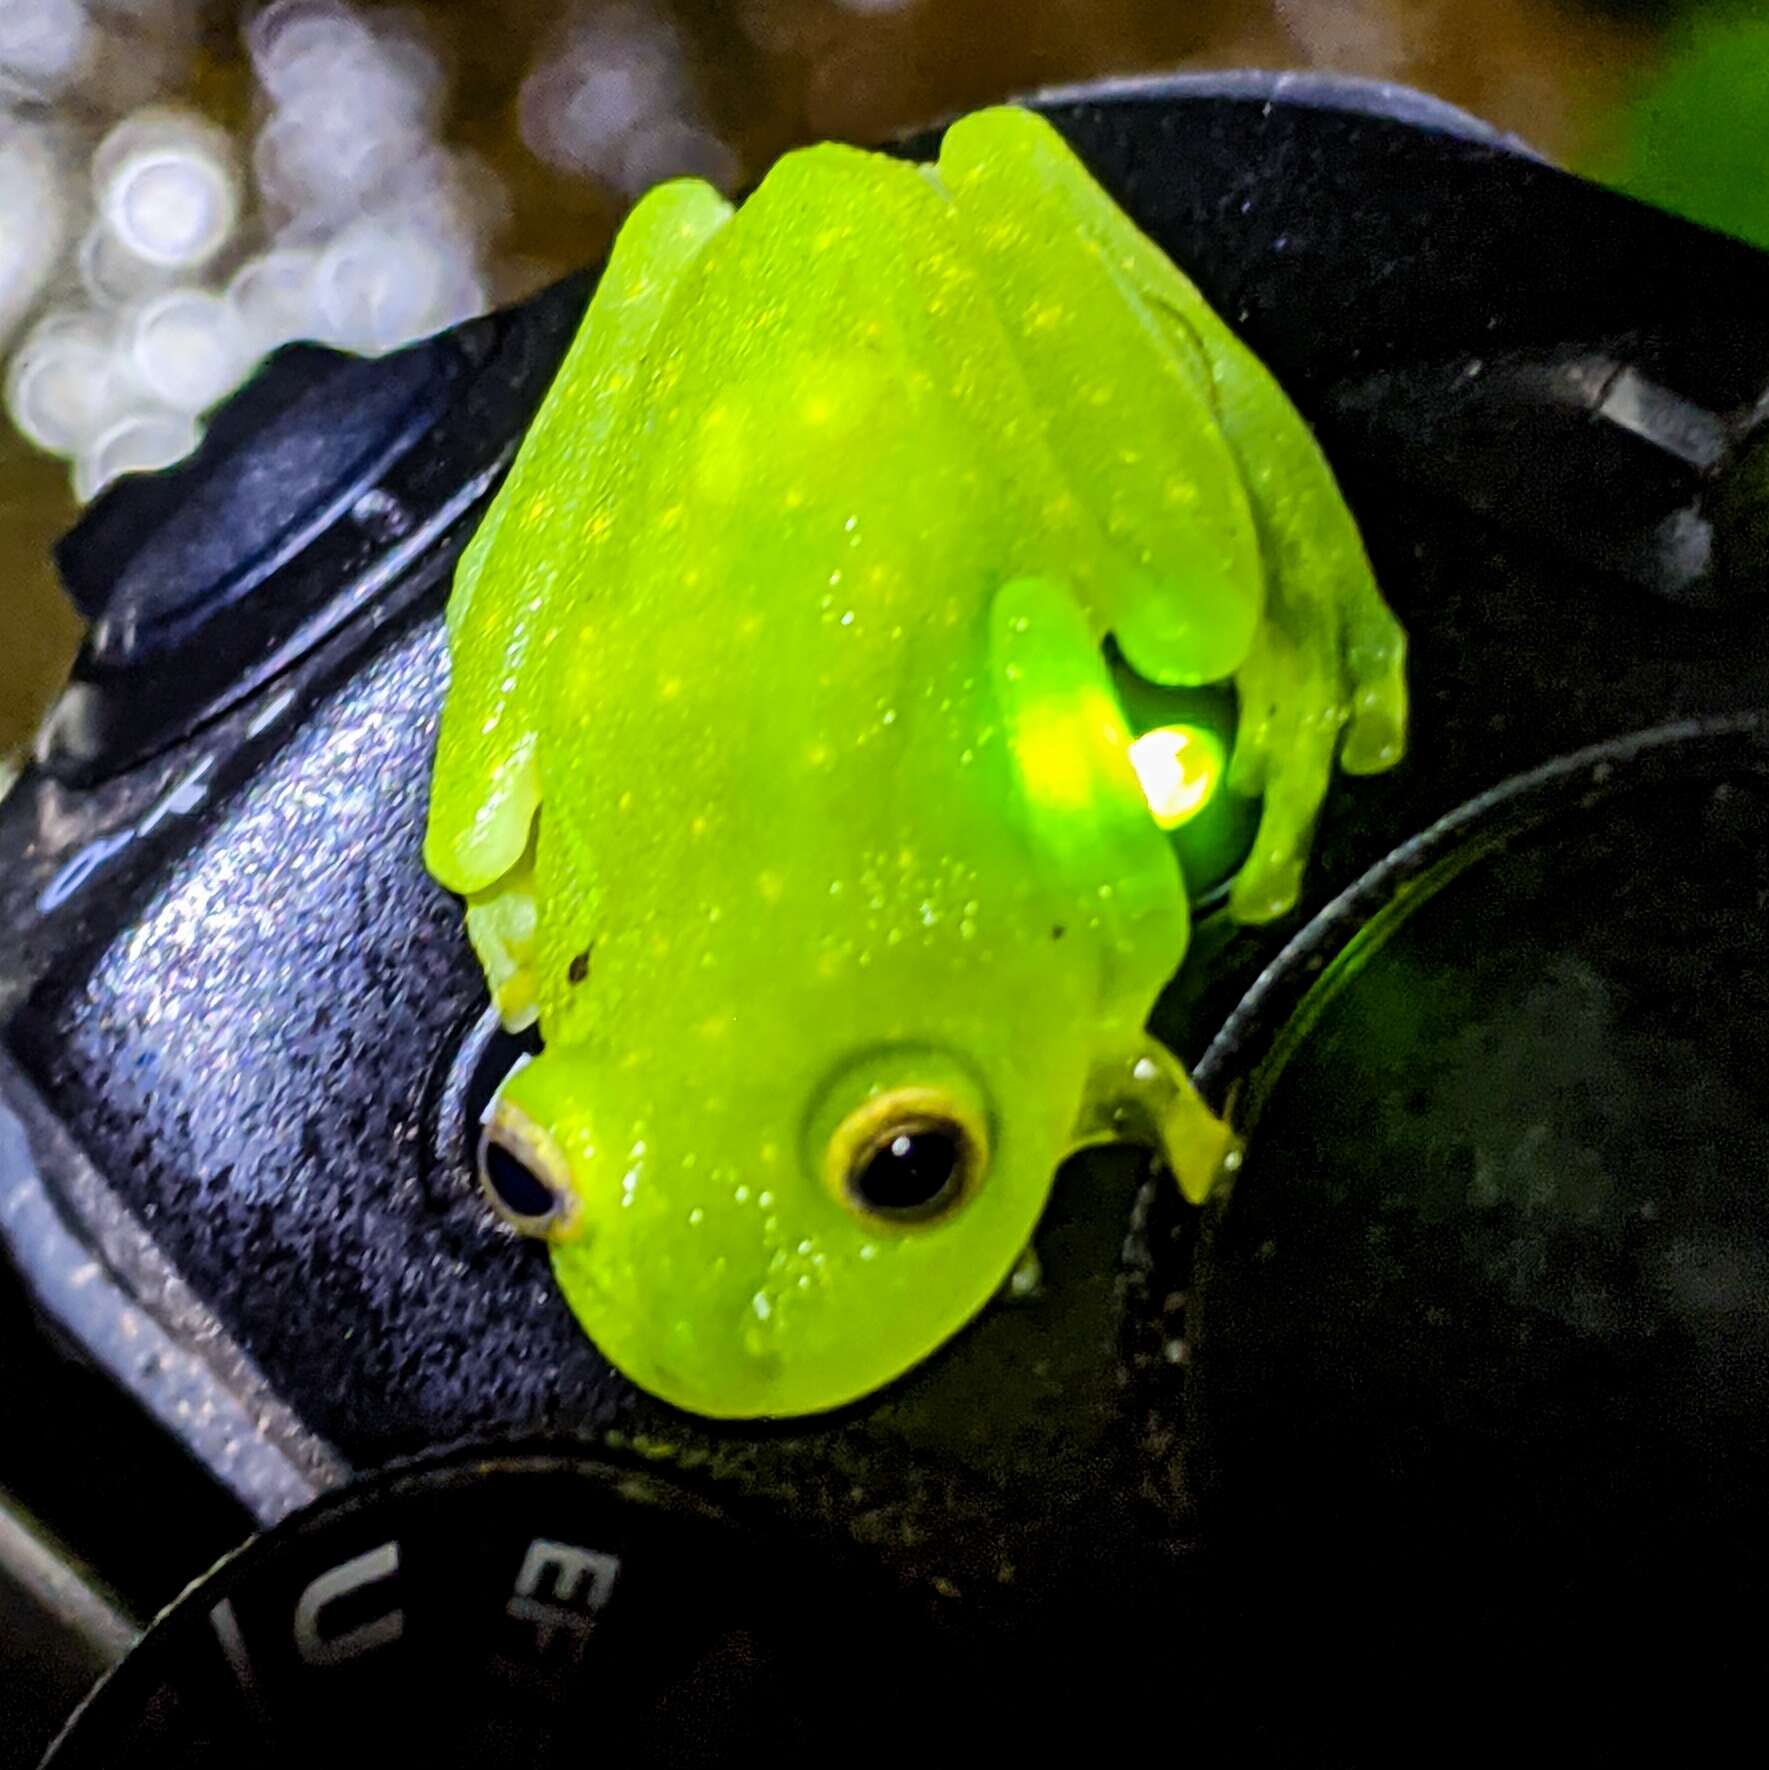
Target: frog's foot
x,y
1376,664
1143,1095
502,926
1087,811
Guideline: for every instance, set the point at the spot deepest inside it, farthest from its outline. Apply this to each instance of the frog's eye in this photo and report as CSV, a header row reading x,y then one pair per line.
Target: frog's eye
x,y
907,1158
525,1174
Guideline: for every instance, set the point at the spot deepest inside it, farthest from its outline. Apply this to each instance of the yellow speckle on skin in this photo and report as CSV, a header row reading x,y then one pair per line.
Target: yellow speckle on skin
x,y
597,526
1101,393
999,235
831,236
697,826
818,755
669,516
624,802
769,1154
749,626
772,886
1046,316
795,497
1178,491
614,381
831,965
1060,508
714,1026
669,687
539,509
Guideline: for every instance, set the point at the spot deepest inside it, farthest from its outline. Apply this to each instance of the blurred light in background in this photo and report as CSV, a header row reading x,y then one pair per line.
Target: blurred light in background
x,y
43,46
33,223
611,99
175,256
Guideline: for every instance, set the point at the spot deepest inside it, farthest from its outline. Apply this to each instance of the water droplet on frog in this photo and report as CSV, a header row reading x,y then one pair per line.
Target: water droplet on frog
x,y
696,1217
741,1194
848,618
766,1201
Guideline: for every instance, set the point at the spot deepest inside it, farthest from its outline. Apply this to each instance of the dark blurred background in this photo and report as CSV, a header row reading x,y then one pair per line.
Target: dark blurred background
x,y
185,184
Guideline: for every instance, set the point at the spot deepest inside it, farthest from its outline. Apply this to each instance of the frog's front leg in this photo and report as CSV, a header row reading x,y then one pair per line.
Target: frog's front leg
x,y
1142,1094
527,556
1092,825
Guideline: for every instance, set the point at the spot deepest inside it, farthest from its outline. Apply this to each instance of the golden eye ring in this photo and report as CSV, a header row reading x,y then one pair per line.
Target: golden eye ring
x,y
524,1173
907,1158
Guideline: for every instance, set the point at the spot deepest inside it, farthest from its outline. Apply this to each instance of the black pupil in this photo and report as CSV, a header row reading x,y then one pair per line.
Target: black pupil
x,y
911,1172
521,1192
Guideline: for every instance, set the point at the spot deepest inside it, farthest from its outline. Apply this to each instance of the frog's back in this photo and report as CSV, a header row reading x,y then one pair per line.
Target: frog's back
x,y
771,699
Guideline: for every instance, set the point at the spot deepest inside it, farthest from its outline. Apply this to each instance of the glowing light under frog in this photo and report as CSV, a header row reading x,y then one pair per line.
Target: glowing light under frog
x,y
1180,767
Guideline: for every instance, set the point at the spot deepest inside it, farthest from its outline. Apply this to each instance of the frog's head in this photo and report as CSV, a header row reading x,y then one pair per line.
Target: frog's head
x,y
770,1241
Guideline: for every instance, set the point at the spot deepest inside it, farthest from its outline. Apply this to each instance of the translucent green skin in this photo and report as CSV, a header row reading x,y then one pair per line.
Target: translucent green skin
x,y
790,614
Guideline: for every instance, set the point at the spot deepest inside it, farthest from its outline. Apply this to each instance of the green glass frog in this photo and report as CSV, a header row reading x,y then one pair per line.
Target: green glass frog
x,y
782,772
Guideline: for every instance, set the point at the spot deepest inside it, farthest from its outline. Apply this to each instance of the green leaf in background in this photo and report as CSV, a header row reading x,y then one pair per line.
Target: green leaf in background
x,y
1695,139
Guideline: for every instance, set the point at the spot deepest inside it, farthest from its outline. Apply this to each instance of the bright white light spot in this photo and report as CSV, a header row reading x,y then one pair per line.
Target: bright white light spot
x,y
66,384
380,285
1178,766
188,349
272,296
33,219
140,443
167,188
43,45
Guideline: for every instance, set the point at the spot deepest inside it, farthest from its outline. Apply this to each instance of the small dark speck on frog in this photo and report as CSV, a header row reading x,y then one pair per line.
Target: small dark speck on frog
x,y
579,968
1058,931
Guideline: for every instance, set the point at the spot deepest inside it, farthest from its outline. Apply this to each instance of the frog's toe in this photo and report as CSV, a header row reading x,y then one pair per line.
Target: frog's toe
x,y
1377,735
502,925
1270,879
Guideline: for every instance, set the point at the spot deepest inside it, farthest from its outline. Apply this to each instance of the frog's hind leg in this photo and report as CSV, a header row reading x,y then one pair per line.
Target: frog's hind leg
x,y
1328,655
1129,419
1070,747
